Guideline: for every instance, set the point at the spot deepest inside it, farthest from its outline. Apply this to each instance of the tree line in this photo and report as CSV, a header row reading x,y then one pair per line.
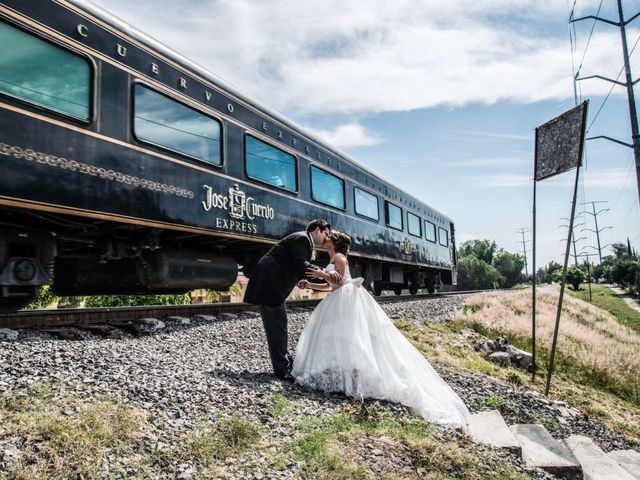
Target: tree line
x,y
483,265
622,268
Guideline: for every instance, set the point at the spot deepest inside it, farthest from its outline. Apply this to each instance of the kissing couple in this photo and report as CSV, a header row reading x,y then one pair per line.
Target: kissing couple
x,y
349,344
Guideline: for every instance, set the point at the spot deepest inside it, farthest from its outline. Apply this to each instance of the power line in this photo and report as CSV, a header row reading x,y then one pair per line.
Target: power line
x,y
584,54
623,185
628,84
628,213
613,85
573,41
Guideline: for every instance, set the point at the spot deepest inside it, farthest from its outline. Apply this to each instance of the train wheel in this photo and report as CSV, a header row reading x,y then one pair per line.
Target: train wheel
x,y
377,290
431,289
413,288
398,291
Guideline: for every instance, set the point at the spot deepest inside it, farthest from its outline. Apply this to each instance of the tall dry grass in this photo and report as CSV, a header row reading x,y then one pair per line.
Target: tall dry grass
x,y
591,342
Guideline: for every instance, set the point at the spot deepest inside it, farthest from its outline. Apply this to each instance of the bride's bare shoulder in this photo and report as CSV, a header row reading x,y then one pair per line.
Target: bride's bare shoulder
x,y
339,259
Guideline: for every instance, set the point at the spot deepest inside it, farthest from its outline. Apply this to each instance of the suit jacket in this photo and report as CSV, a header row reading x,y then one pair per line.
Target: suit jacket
x,y
278,271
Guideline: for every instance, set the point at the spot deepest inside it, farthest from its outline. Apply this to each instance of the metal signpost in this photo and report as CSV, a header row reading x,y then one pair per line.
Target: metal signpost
x,y
558,148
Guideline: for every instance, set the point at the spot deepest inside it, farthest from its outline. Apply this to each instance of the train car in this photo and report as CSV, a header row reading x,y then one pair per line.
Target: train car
x,y
128,169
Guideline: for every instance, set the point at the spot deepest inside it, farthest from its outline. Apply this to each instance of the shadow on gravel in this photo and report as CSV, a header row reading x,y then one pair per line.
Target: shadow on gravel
x,y
245,377
293,391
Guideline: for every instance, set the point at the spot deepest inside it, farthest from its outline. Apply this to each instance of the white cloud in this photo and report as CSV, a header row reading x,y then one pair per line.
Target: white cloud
x,y
608,178
506,136
378,56
484,162
347,135
504,180
611,177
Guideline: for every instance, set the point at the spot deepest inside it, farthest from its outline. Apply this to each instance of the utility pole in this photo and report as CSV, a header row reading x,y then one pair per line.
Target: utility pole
x,y
635,135
595,219
584,254
522,231
574,240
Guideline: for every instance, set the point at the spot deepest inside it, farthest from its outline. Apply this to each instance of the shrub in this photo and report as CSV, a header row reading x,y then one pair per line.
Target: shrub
x,y
476,274
575,277
510,266
134,300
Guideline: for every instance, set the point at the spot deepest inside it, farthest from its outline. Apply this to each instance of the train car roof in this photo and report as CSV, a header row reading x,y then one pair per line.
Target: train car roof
x,y
163,49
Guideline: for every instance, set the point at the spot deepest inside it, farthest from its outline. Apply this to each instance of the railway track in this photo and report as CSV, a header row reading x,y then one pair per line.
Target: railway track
x,y
118,315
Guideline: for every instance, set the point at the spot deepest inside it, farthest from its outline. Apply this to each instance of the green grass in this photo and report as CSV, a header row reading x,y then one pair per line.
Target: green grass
x,y
279,405
211,442
598,392
565,364
604,298
325,446
63,437
495,402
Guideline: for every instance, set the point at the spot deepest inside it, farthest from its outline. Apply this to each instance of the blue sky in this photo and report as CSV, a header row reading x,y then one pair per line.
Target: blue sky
x,y
440,98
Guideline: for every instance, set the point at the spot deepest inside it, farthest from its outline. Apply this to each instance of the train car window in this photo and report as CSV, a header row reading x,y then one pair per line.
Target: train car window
x,y
444,237
43,74
270,165
366,204
430,231
327,188
394,216
166,123
414,226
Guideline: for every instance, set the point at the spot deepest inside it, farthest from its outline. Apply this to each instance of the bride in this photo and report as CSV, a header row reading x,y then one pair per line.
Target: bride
x,y
350,345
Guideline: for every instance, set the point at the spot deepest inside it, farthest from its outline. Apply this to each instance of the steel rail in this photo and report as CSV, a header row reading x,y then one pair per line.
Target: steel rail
x,y
105,315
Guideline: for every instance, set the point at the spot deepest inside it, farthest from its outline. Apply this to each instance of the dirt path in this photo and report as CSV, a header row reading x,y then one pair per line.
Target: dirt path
x,y
633,303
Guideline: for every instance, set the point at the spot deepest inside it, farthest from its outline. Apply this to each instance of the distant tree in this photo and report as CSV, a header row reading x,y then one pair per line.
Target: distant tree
x,y
481,249
510,266
135,300
620,250
549,273
624,271
597,272
476,274
575,277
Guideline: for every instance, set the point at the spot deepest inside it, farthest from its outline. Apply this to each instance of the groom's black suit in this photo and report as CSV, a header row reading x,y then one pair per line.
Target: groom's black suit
x,y
270,284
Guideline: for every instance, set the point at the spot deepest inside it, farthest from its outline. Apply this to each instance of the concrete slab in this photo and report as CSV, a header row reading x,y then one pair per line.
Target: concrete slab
x,y
596,465
629,460
541,450
490,428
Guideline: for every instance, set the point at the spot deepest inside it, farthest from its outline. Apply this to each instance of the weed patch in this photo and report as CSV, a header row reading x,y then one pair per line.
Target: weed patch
x,y
219,440
64,437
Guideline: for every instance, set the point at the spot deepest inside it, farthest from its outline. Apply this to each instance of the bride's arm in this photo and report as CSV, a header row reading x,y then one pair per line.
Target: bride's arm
x,y
340,262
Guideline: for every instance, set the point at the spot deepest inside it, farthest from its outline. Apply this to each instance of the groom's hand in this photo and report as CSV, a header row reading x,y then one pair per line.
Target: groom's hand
x,y
316,273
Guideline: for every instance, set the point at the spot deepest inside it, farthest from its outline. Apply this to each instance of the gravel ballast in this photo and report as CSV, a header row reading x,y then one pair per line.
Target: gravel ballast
x,y
203,368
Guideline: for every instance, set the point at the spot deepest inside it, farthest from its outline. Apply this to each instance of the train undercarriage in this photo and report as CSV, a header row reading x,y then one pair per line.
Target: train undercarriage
x,y
78,256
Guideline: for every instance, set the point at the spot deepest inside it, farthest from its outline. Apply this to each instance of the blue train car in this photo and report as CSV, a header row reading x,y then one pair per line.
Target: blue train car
x,y
128,169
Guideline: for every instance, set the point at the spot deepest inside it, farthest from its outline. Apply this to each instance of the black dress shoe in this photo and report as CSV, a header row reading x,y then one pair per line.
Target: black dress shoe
x,y
287,377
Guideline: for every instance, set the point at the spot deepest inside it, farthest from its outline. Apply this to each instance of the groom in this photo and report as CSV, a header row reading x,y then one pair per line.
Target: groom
x,y
271,282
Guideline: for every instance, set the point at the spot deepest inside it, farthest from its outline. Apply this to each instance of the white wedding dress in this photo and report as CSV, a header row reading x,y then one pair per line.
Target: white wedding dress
x,y
350,345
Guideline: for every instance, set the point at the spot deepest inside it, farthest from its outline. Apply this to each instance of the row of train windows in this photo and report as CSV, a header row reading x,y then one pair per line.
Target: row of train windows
x,y
52,77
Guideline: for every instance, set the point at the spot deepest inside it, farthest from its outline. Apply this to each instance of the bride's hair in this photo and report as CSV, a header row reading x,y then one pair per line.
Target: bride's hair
x,y
341,241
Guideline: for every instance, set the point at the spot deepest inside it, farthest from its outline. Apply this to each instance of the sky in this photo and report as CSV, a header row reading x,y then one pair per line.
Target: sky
x,y
439,98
